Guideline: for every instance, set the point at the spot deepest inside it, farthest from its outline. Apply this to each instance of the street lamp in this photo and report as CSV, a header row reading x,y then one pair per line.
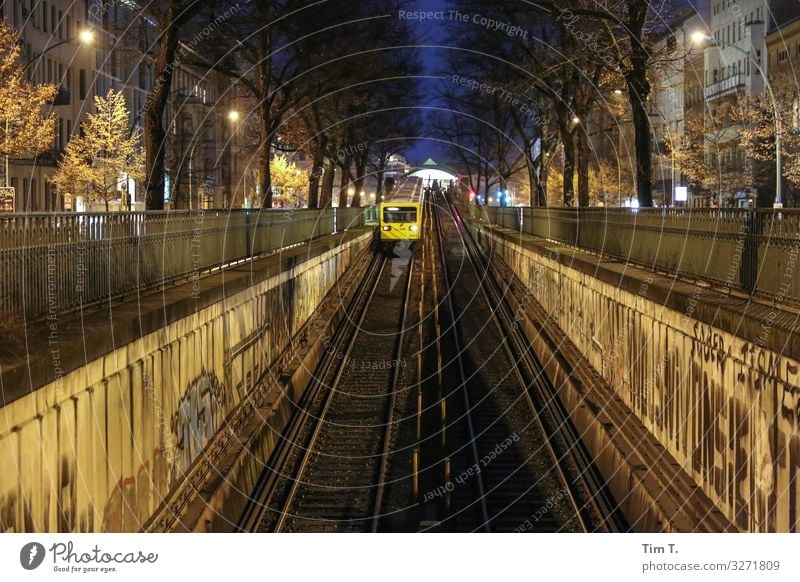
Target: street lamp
x,y
700,37
85,36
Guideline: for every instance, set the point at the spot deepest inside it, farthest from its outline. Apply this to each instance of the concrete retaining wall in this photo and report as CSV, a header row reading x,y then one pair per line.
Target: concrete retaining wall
x,y
726,408
100,449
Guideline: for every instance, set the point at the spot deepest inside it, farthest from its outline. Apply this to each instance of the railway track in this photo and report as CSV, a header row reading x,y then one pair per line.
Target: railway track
x,y
430,412
329,474
512,460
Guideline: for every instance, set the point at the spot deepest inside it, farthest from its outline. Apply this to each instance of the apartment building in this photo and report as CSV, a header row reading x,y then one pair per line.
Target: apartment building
x,y
677,88
734,67
198,148
87,47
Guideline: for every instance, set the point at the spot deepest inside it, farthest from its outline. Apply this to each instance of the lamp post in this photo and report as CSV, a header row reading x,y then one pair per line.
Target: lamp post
x,y
618,93
84,37
701,37
6,157
233,117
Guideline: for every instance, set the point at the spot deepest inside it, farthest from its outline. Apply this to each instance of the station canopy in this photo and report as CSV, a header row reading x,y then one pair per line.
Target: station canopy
x,y
431,170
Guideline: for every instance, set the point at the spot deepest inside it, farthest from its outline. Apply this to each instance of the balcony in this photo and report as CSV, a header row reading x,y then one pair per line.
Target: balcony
x,y
729,85
62,97
188,97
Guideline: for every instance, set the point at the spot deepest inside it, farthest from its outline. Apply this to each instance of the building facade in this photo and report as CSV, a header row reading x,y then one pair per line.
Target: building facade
x,y
88,47
198,146
677,88
55,50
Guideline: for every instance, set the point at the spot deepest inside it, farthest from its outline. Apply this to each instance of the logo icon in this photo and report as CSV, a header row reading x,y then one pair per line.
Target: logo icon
x,y
31,555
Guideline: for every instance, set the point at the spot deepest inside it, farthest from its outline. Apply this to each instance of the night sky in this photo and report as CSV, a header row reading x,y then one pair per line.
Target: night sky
x,y
433,34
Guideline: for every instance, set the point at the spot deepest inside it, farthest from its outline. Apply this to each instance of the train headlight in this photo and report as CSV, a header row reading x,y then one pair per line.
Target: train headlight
x,y
387,228
413,228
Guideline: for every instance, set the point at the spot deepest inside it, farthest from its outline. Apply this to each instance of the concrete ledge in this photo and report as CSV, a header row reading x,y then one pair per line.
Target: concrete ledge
x,y
652,490
734,313
102,448
124,321
674,364
218,501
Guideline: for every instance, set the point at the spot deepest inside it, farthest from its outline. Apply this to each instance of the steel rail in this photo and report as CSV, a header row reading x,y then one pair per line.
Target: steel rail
x,y
319,424
462,374
398,351
266,487
600,501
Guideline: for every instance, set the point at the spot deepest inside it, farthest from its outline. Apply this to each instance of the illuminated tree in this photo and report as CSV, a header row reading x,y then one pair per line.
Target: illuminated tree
x,y
97,163
288,181
24,130
759,128
707,149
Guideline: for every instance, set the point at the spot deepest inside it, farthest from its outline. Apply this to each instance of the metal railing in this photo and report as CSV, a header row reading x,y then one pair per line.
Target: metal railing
x,y
54,263
755,251
725,85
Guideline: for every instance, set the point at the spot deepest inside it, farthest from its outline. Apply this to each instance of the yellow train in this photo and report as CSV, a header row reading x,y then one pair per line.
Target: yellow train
x,y
401,215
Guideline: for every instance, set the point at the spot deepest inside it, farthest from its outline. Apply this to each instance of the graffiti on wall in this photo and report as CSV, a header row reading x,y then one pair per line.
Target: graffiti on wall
x,y
729,410
133,497
199,414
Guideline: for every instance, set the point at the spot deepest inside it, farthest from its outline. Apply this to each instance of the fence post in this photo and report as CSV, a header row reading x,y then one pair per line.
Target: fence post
x,y
748,268
249,234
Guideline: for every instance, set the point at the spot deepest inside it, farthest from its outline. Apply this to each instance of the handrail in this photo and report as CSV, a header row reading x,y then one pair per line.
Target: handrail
x,y
55,263
750,250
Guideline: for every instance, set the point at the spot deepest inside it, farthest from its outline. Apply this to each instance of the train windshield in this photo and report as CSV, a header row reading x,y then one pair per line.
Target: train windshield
x,y
399,214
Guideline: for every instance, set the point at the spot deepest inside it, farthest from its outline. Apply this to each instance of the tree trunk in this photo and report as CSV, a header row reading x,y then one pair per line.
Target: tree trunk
x,y
379,189
584,153
316,172
569,159
153,114
537,193
638,92
265,174
361,167
487,172
326,195
175,194
344,183
533,183
542,189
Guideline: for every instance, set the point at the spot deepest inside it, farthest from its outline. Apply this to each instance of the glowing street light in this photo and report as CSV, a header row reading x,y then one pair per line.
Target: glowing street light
x,y
233,116
86,36
617,91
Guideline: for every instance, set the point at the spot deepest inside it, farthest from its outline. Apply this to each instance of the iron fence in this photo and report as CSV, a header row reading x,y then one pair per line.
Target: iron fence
x,y
749,250
54,263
